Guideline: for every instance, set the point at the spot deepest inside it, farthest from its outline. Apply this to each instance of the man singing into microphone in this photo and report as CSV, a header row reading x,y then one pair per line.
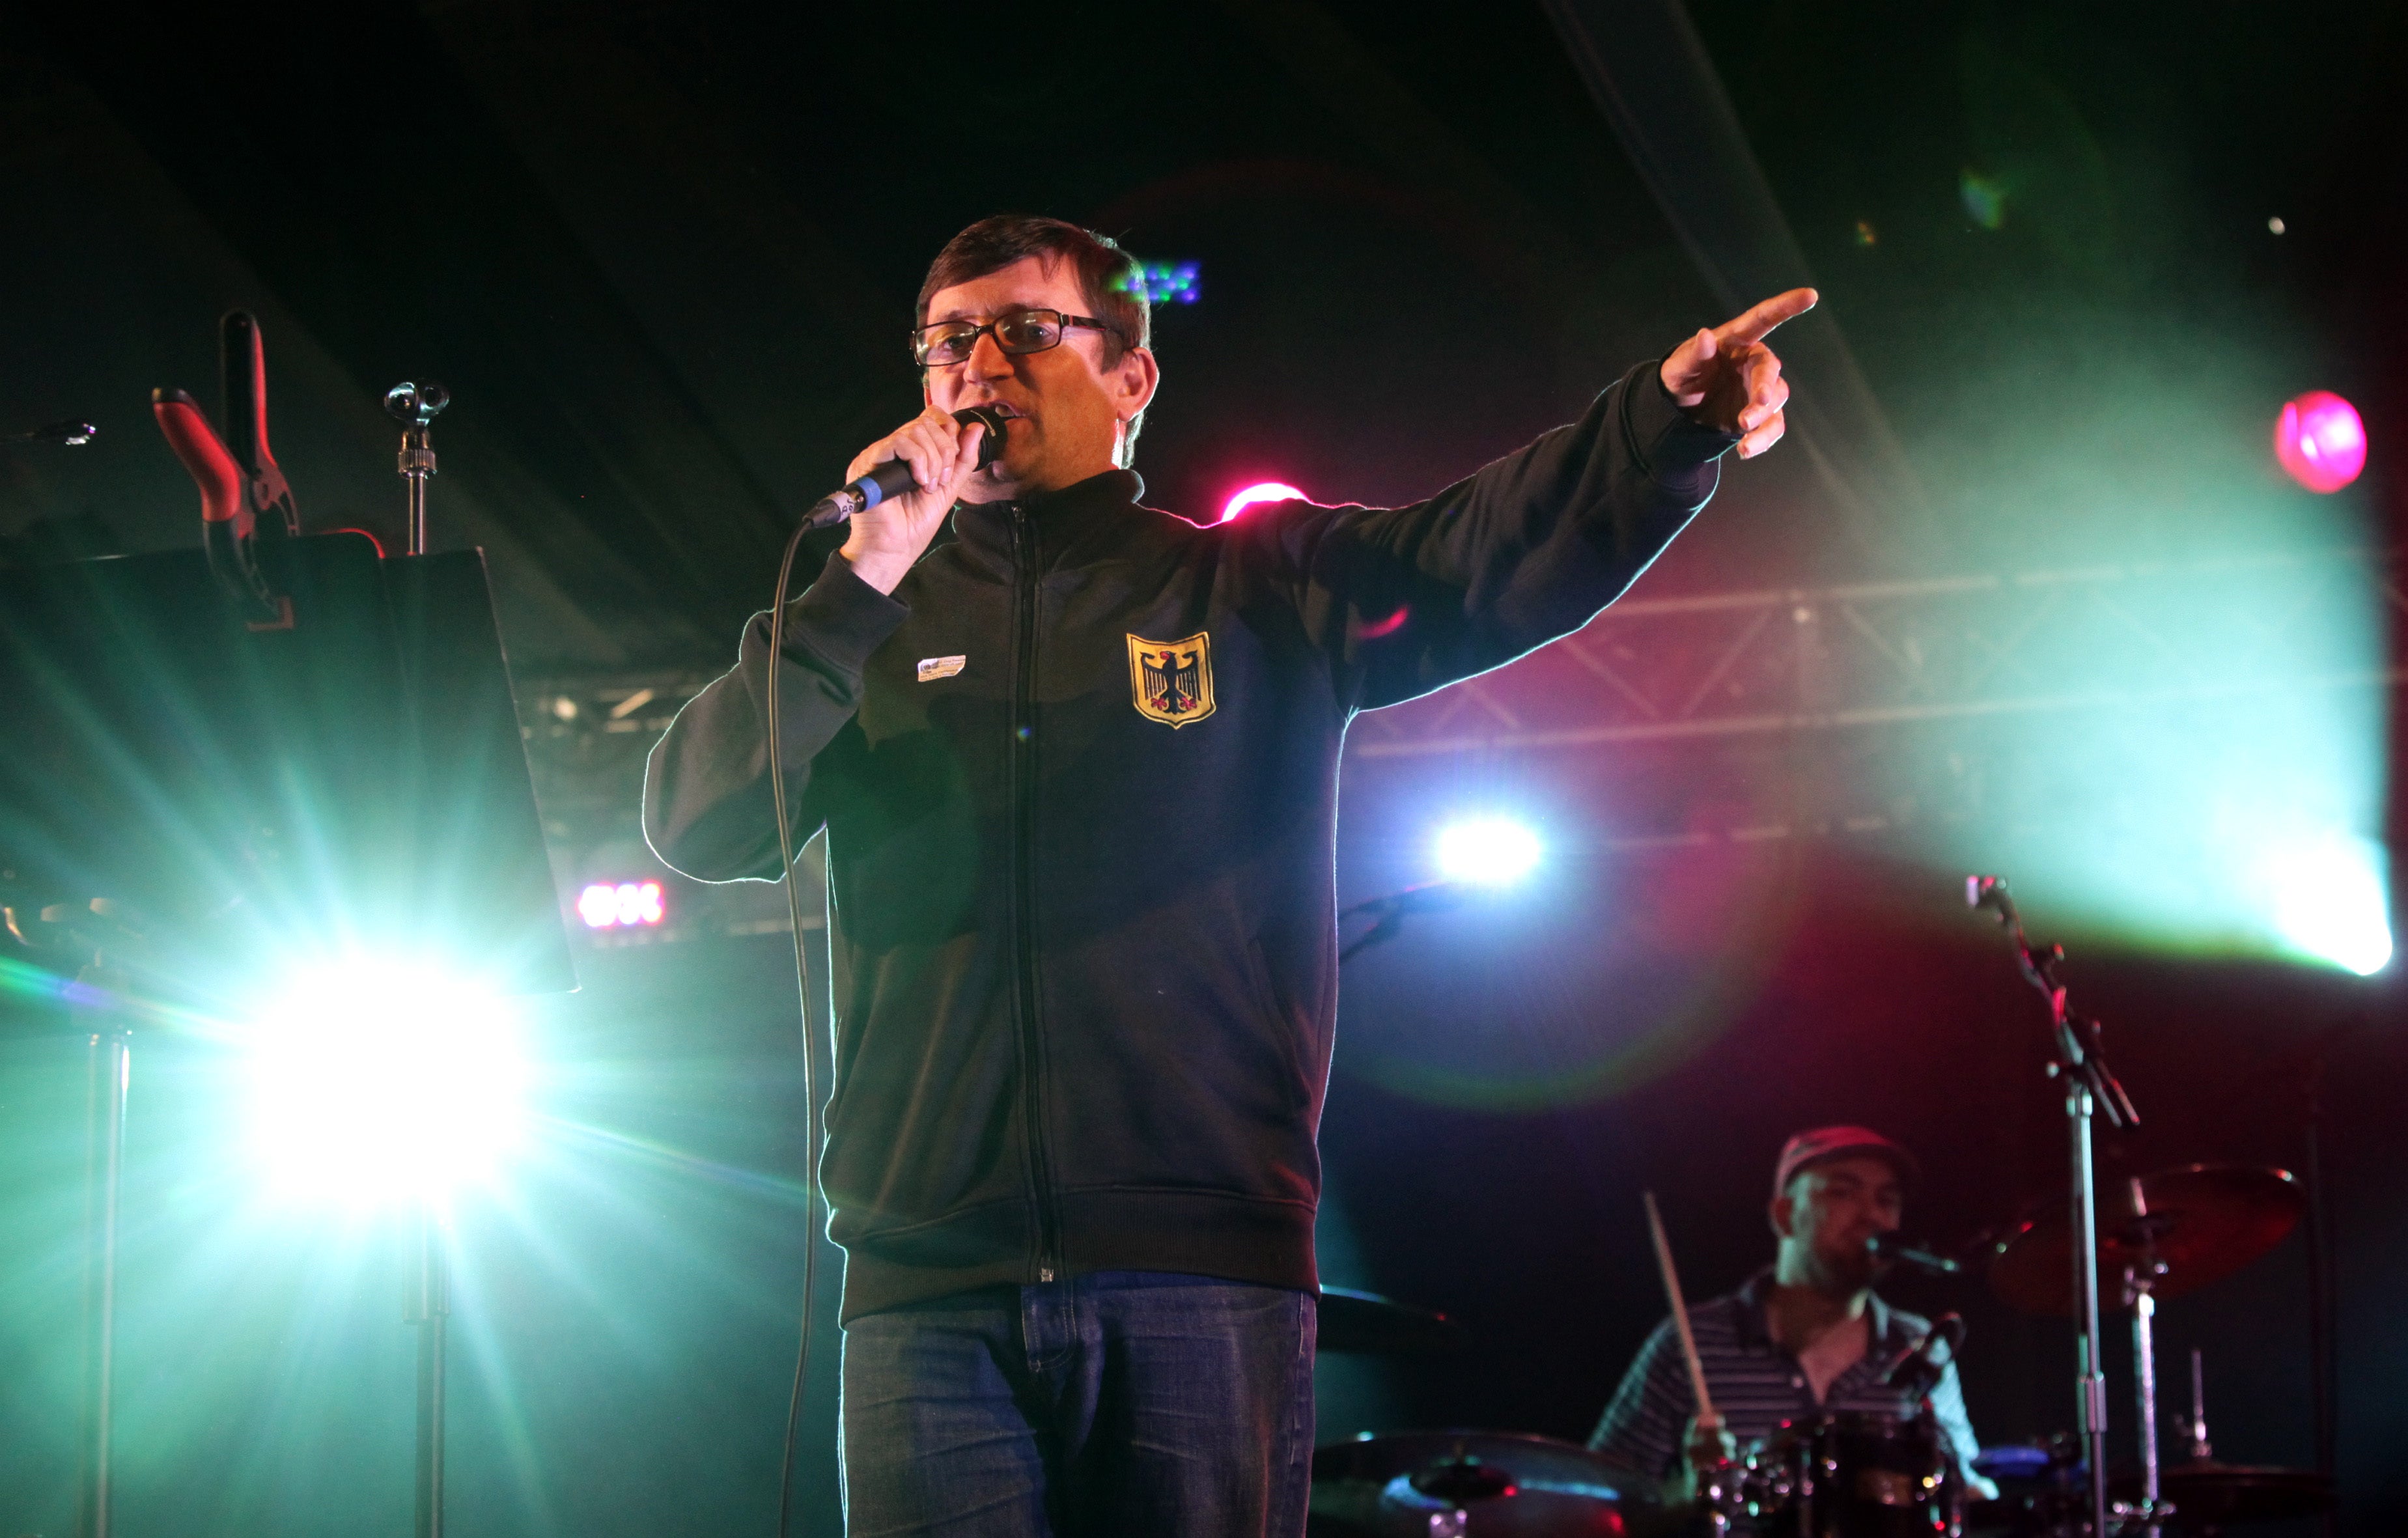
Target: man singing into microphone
x,y
1808,1337
1077,764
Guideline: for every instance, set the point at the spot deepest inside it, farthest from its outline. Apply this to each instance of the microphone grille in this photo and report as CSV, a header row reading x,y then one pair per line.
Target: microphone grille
x,y
998,427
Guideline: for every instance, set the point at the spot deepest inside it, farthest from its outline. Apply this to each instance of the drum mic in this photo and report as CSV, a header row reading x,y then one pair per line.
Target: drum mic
x,y
1921,1365
1890,1247
894,477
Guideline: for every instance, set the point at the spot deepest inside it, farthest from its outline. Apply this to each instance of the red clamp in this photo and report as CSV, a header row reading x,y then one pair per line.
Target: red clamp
x,y
244,496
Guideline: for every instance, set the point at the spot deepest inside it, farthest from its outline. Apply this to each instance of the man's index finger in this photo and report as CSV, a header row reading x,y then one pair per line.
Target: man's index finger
x,y
1760,317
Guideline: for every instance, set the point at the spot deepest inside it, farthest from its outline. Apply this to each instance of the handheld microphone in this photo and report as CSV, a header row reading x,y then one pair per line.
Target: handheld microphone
x,y
1889,1246
894,477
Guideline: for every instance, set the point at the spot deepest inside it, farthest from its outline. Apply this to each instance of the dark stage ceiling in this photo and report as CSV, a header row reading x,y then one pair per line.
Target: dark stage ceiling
x,y
664,254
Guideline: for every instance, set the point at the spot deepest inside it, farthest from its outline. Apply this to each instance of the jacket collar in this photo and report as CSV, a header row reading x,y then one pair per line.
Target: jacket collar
x,y
1060,518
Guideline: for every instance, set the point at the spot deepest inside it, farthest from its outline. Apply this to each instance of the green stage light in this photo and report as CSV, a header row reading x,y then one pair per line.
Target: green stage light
x,y
2164,708
374,1080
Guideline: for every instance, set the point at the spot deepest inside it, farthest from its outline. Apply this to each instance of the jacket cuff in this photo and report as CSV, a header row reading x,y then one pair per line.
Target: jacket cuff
x,y
1670,446
841,619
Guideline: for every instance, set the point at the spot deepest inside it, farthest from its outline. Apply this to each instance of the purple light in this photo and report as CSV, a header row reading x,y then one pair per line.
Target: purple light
x,y
1261,491
2320,440
604,906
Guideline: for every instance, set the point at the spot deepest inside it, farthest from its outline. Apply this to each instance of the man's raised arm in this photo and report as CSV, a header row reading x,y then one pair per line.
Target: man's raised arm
x,y
1530,548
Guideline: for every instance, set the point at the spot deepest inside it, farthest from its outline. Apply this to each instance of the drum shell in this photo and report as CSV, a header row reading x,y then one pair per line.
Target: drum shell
x,y
1851,1475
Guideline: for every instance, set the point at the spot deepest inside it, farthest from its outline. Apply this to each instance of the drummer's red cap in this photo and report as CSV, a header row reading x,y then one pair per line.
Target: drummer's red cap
x,y
1835,1142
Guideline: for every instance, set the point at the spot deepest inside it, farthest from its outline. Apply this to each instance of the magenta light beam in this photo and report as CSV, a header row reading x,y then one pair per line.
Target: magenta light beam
x,y
1261,491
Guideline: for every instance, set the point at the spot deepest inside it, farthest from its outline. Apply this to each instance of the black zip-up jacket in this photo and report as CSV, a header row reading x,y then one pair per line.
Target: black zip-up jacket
x,y
1080,776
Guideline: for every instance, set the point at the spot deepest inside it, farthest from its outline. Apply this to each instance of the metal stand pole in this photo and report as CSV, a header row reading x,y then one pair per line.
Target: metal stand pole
x,y
110,1073
417,464
2145,1367
2201,1450
415,407
430,1311
2090,1375
2090,1091
2323,1368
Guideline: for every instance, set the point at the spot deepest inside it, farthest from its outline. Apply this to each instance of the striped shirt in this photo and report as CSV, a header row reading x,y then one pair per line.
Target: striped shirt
x,y
1757,1385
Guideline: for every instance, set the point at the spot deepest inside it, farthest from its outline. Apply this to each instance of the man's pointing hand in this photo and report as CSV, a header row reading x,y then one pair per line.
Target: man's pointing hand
x,y
1728,379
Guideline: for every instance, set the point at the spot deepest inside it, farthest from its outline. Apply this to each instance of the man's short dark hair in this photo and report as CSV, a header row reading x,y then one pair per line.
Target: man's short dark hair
x,y
1109,277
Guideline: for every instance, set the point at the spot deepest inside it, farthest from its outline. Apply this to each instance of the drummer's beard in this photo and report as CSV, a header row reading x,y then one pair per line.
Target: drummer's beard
x,y
1841,1271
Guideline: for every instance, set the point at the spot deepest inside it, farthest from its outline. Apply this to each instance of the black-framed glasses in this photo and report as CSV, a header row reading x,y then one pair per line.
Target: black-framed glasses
x,y
949,342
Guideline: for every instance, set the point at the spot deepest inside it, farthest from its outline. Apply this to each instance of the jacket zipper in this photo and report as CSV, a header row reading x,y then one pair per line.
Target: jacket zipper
x,y
1023,857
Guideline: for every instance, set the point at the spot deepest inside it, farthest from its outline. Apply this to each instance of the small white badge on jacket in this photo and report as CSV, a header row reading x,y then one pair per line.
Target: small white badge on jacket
x,y
933,669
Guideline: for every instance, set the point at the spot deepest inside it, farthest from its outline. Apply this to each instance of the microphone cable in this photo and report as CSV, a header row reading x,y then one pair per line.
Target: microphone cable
x,y
803,991
990,450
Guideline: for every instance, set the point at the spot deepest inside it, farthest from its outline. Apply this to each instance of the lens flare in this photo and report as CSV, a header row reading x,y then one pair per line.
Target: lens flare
x,y
1985,199
375,1080
1261,491
1488,851
2320,440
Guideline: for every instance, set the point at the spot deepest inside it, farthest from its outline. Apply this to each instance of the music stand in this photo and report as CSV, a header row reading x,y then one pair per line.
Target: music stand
x,y
355,780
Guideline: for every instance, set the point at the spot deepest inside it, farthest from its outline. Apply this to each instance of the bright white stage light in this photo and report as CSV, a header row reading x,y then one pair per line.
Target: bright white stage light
x,y
374,1080
2329,901
1488,851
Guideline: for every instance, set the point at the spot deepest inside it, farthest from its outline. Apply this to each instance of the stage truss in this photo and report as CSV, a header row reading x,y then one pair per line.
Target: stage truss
x,y
1856,710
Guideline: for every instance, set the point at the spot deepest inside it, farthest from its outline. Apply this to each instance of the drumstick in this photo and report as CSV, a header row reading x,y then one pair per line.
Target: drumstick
x,y
1706,1415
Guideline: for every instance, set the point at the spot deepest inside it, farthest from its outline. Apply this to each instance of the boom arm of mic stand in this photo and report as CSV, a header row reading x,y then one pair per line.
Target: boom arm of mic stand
x,y
2077,1037
1390,911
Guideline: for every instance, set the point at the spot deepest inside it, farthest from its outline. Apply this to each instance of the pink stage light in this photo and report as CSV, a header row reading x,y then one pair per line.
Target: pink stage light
x,y
625,905
2320,440
1261,491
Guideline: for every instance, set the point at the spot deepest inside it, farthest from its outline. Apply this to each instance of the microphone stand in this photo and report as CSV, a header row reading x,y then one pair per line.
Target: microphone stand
x,y
98,934
427,1304
2091,1091
1388,914
415,405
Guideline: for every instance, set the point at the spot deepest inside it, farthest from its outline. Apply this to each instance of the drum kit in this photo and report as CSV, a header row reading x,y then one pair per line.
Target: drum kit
x,y
1855,1475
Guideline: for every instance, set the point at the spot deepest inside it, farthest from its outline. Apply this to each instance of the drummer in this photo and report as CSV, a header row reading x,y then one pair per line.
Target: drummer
x,y
1807,1337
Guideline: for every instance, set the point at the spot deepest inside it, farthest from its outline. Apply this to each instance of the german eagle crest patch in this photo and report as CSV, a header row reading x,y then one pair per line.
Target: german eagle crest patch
x,y
1171,681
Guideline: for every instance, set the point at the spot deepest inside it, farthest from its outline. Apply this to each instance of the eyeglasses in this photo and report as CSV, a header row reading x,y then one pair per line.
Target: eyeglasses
x,y
949,342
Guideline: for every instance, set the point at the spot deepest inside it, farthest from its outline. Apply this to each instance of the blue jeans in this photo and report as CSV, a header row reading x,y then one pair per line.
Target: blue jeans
x,y
1118,1404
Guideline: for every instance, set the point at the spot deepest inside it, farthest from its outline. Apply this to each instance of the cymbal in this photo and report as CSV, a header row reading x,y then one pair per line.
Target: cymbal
x,y
2203,1221
1493,1484
1366,1323
1524,1459
2213,1494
